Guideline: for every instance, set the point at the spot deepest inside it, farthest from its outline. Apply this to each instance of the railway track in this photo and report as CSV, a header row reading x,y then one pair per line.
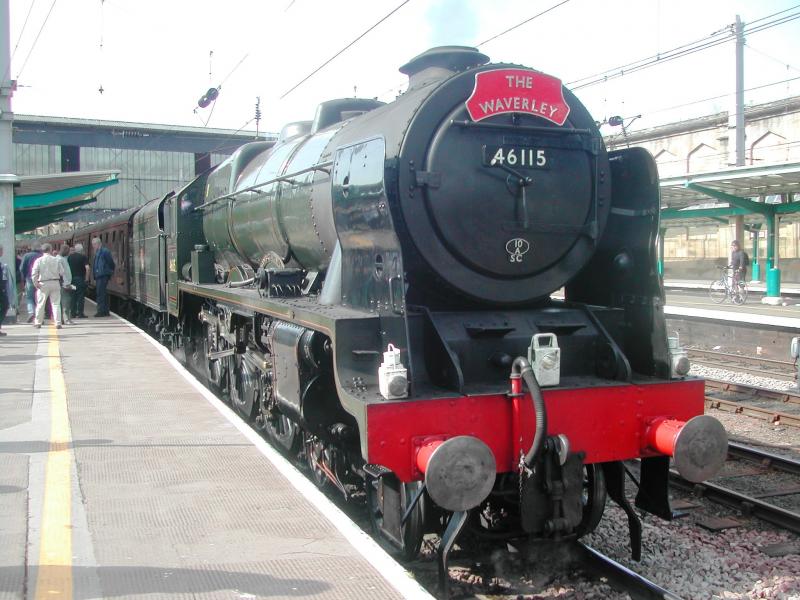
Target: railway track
x,y
774,406
759,504
754,365
620,576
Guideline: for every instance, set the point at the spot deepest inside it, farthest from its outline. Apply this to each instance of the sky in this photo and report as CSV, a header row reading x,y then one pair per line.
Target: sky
x,y
155,58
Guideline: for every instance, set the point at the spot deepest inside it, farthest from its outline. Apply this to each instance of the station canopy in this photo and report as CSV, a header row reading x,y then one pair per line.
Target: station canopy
x,y
43,199
731,192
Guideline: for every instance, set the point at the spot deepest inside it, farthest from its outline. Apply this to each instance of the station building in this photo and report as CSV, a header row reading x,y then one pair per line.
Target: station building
x,y
693,248
152,159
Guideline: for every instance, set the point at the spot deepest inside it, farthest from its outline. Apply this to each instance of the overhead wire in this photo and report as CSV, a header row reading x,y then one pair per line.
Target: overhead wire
x,y
521,23
787,144
219,87
654,57
327,62
24,24
705,43
19,39
642,64
710,98
36,39
775,14
486,41
222,145
772,58
771,24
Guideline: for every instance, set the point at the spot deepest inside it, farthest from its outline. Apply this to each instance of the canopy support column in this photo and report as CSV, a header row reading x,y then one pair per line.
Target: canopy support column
x,y
773,272
756,271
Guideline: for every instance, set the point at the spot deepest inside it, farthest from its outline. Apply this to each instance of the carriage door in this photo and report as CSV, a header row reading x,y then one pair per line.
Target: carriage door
x,y
171,241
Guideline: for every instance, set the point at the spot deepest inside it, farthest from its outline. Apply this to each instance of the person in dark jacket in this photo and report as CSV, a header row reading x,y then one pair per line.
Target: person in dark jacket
x,y
103,269
738,262
79,266
4,286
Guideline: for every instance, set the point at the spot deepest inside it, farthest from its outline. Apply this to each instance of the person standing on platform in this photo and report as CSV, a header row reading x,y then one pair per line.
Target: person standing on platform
x,y
25,274
79,265
5,281
47,274
66,286
739,260
103,270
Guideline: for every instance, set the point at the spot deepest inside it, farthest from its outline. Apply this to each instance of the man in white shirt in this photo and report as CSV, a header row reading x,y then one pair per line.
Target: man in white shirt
x,y
48,270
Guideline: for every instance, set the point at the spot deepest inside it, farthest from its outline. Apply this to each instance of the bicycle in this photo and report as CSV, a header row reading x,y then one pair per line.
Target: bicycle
x,y
723,288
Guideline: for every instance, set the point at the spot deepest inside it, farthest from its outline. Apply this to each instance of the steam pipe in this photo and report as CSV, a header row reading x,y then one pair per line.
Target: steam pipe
x,y
245,283
522,368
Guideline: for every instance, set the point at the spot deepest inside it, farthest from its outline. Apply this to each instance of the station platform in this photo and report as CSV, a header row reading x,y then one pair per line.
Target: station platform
x,y
697,304
787,289
122,477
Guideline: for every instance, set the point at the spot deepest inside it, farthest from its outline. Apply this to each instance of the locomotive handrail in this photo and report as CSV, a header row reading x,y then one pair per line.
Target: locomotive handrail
x,y
553,130
288,178
619,355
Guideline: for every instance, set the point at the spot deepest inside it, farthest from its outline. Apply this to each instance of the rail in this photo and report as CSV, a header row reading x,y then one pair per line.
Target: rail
x,y
778,369
786,396
772,416
762,457
620,576
752,505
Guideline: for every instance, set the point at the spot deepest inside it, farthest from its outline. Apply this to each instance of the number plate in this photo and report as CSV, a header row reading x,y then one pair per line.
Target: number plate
x,y
515,156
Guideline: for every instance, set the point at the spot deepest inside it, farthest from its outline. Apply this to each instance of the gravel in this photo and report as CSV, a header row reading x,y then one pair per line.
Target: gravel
x,y
778,439
695,563
743,378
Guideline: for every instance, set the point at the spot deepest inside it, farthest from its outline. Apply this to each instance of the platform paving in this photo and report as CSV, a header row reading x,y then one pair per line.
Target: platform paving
x,y
136,485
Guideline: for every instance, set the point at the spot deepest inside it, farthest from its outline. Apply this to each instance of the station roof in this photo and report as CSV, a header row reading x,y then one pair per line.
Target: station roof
x,y
130,126
43,199
707,193
745,182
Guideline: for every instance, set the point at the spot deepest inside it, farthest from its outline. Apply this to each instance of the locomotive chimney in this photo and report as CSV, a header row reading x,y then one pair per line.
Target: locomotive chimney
x,y
441,62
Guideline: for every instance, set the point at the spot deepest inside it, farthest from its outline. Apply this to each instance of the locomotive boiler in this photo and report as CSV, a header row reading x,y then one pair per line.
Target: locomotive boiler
x,y
375,292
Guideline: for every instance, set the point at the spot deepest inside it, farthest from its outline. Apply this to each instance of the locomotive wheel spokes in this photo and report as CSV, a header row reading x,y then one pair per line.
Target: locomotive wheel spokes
x,y
214,370
407,544
282,431
319,460
594,498
195,352
242,387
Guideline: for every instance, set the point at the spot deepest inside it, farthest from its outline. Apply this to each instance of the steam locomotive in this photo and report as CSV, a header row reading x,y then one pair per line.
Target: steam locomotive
x,y
375,293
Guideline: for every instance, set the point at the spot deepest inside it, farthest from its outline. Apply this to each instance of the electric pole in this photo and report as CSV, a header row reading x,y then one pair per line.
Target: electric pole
x,y
7,177
738,117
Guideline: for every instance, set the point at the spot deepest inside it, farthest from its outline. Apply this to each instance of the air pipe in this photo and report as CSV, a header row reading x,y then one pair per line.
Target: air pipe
x,y
521,369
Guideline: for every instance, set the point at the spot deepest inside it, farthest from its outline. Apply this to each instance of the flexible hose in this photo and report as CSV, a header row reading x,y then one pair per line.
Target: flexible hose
x,y
522,368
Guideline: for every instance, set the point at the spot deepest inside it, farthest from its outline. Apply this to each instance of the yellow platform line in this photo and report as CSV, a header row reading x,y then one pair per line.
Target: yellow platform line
x,y
54,578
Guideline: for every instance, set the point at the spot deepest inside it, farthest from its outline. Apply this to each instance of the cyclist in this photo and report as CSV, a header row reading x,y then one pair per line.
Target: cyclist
x,y
739,261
